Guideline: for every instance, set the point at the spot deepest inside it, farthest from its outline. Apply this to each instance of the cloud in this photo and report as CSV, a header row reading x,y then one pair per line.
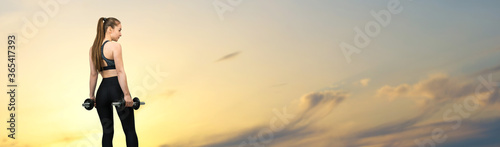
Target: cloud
x,y
279,85
313,107
365,81
228,56
470,133
439,87
319,104
314,99
436,91
169,93
392,92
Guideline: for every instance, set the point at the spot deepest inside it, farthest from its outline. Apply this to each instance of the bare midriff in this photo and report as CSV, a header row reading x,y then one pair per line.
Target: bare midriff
x,y
108,73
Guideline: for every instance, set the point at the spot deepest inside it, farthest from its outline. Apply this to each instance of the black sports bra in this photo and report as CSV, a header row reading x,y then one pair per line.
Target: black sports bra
x,y
111,63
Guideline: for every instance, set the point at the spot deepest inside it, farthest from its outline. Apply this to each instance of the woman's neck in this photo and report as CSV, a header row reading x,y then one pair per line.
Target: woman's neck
x,y
107,38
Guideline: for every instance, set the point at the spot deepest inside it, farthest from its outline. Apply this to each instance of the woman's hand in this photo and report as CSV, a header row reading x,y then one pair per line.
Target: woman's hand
x,y
93,99
128,101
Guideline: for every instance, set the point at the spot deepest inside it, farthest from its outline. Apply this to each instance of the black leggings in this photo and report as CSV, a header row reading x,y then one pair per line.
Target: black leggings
x,y
110,91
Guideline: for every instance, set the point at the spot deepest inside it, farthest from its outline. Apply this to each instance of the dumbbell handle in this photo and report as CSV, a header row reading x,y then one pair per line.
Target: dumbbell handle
x,y
85,104
118,103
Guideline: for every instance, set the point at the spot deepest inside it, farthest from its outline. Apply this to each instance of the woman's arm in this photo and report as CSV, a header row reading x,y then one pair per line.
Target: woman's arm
x,y
120,71
93,76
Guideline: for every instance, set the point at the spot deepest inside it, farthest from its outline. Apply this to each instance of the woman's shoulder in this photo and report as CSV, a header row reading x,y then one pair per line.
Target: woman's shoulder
x,y
114,46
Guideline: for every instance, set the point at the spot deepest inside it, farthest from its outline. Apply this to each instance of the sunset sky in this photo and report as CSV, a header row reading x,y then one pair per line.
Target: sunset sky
x,y
269,71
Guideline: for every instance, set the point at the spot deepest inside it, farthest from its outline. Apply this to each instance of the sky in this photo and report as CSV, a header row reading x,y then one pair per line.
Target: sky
x,y
273,73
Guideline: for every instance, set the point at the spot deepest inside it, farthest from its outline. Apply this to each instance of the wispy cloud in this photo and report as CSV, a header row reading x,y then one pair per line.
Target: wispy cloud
x,y
437,90
279,85
439,87
313,107
406,133
433,94
228,56
364,82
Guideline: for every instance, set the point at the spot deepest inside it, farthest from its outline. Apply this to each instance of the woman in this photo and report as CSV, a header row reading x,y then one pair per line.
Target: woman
x,y
106,59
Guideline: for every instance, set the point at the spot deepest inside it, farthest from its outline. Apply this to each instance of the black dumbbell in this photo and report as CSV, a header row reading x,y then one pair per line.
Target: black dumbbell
x,y
120,105
88,104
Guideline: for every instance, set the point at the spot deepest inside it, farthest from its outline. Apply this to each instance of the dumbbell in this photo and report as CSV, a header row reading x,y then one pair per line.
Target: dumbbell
x,y
88,104
120,105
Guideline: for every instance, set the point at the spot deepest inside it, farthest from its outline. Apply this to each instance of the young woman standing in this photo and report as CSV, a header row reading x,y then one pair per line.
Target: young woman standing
x,y
106,59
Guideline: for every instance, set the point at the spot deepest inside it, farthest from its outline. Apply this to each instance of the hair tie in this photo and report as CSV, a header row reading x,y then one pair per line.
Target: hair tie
x,y
105,19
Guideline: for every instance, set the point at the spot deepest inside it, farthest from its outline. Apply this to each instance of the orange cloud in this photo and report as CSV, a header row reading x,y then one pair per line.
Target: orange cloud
x,y
313,106
365,81
438,87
